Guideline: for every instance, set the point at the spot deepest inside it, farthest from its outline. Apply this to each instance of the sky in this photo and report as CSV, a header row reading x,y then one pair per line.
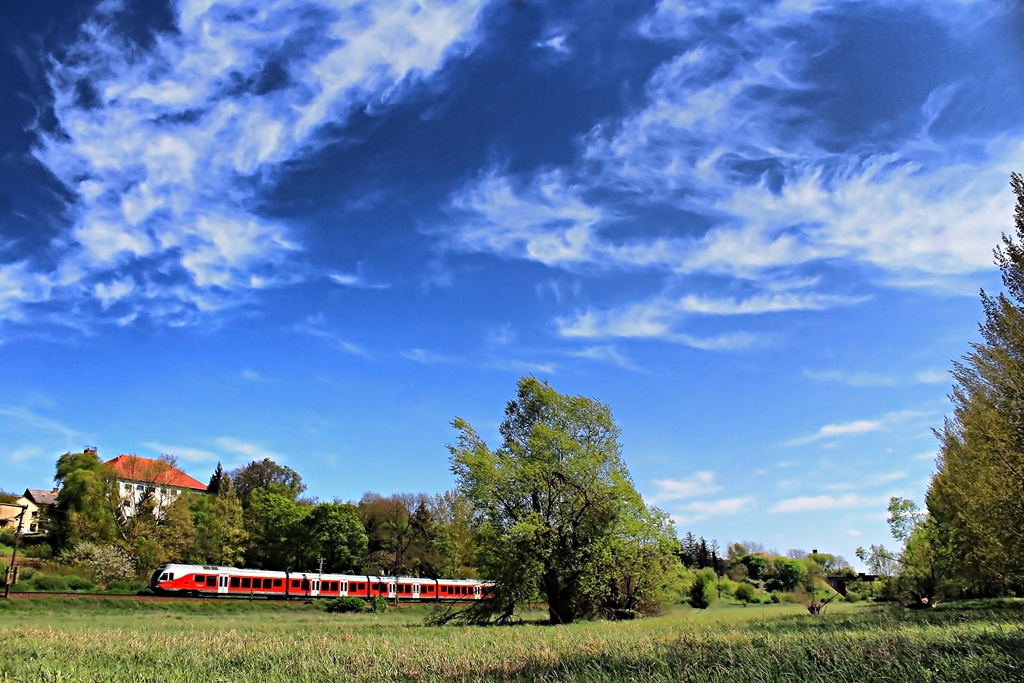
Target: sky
x,y
319,231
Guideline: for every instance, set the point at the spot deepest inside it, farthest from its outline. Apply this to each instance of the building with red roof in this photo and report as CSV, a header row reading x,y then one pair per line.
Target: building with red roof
x,y
139,478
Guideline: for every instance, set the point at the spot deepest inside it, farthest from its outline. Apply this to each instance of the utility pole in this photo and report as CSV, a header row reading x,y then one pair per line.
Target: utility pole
x,y
9,579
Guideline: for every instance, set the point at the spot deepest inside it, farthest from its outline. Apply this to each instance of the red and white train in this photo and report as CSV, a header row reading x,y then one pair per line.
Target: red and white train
x,y
198,580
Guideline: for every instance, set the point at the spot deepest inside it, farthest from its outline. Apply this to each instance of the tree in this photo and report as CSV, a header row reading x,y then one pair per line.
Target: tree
x,y
976,491
266,475
213,488
923,565
88,503
556,505
273,522
335,534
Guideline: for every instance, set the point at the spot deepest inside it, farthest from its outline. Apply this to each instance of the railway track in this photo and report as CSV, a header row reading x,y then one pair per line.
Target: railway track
x,y
137,598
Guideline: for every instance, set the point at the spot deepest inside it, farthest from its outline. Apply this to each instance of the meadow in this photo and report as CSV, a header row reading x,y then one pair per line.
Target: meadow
x,y
96,639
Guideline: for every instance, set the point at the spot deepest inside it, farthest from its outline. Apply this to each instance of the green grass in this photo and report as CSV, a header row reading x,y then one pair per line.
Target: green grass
x,y
107,640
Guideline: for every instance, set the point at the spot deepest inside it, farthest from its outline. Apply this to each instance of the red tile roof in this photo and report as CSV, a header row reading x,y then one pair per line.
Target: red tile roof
x,y
134,468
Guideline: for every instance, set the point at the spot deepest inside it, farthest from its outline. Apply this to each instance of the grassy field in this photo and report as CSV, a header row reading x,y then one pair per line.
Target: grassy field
x,y
97,640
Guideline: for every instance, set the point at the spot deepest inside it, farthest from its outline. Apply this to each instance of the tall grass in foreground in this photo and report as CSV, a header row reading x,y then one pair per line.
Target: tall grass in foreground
x,y
757,644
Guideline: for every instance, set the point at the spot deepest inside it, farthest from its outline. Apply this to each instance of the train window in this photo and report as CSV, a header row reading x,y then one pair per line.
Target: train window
x,y
234,582
295,583
211,580
246,582
277,583
305,585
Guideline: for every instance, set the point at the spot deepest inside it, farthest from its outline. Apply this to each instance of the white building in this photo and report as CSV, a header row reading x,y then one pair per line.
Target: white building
x,y
139,478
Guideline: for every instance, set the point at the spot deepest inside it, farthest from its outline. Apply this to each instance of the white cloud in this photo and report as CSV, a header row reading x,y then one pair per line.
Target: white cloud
x,y
188,453
700,484
606,354
354,280
659,317
855,533
25,417
169,159
855,427
426,357
249,451
704,509
817,503
908,214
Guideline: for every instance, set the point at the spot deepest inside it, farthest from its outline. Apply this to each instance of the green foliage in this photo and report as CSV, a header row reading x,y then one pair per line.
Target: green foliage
x,y
267,476
347,604
703,591
333,531
975,498
746,592
559,517
88,502
379,604
273,523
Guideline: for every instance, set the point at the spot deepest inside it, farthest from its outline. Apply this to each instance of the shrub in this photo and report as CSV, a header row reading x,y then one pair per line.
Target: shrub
x,y
108,562
746,593
44,582
379,604
79,583
702,592
41,551
347,604
126,587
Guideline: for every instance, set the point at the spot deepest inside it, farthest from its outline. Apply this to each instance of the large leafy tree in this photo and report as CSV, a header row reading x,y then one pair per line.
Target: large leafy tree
x,y
335,535
88,506
559,517
275,527
265,475
977,491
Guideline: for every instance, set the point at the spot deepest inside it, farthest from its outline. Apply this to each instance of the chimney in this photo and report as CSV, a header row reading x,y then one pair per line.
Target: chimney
x,y
90,449
56,490
814,552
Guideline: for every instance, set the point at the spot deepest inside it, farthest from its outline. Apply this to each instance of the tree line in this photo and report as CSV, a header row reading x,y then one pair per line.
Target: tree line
x,y
966,541
550,515
257,516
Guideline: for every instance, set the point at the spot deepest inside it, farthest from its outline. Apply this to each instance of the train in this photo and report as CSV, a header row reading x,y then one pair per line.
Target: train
x,y
193,580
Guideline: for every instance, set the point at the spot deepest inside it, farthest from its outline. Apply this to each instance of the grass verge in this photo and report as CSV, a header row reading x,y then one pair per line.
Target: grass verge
x,y
275,642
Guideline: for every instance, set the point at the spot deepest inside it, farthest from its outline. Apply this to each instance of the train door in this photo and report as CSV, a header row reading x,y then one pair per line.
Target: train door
x,y
415,591
222,583
392,590
314,587
476,592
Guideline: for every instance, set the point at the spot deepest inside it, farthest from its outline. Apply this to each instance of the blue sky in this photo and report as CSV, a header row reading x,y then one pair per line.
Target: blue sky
x,y
318,231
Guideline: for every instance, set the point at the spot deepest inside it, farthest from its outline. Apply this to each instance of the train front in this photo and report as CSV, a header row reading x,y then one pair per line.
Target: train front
x,y
159,575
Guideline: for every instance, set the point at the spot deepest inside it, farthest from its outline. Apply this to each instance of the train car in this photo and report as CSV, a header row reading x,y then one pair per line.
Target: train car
x,y
208,580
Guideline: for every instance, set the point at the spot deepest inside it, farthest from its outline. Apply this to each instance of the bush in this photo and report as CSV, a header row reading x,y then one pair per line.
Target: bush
x,y
108,562
702,592
126,587
379,604
40,551
346,605
79,583
746,593
50,583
